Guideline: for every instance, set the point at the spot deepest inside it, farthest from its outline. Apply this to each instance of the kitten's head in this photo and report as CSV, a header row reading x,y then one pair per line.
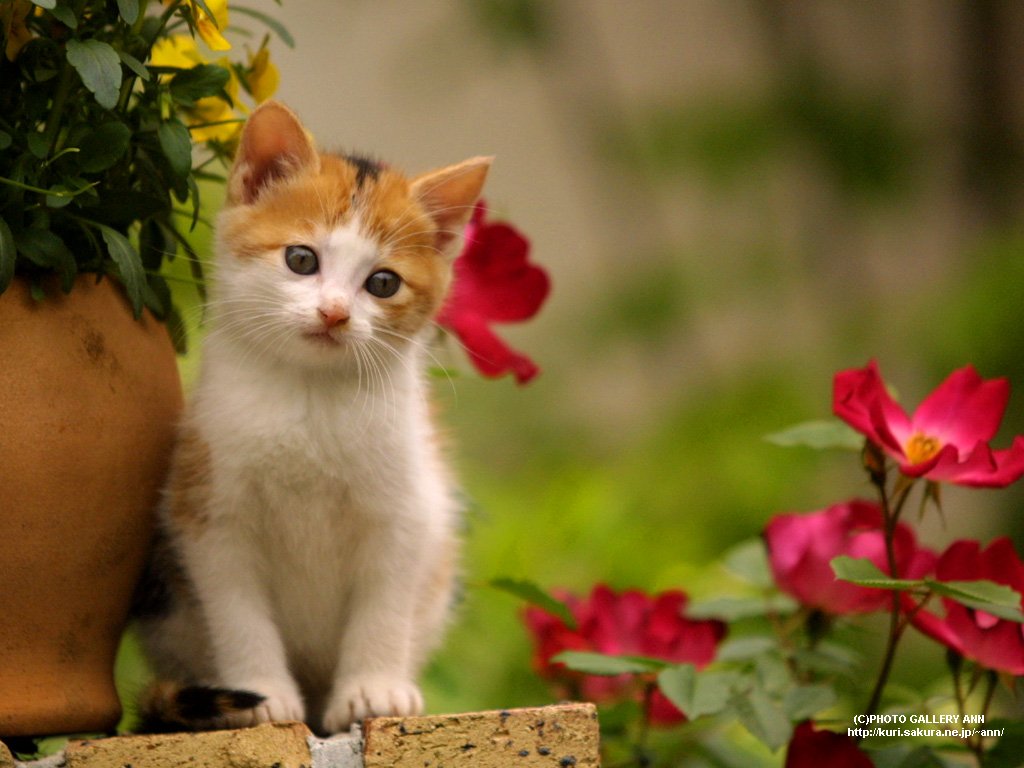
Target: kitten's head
x,y
324,259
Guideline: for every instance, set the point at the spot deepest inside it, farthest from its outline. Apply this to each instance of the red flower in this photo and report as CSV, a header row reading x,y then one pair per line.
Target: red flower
x,y
810,748
947,438
629,623
800,548
493,283
992,642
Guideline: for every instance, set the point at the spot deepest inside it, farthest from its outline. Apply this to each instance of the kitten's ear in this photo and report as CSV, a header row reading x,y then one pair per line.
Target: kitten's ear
x,y
449,194
274,145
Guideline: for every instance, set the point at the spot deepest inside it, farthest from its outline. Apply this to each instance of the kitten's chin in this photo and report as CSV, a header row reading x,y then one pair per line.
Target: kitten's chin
x,y
324,339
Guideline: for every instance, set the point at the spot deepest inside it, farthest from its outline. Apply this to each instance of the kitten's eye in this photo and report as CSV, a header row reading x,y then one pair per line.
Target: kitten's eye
x,y
301,260
383,284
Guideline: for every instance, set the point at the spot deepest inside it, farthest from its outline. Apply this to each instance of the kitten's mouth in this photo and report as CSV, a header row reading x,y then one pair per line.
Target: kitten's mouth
x,y
323,337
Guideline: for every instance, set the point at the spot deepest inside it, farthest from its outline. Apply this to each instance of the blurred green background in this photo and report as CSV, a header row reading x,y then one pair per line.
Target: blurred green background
x,y
735,199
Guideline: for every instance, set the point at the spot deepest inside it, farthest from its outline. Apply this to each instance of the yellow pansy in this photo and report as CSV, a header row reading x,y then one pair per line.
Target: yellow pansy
x,y
216,110
13,15
176,51
181,51
211,29
263,76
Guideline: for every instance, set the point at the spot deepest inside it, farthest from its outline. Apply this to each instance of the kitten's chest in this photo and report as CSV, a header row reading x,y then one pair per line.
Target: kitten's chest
x,y
305,442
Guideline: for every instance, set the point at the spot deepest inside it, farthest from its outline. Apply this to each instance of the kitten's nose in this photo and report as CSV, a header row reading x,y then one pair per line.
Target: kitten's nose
x,y
333,316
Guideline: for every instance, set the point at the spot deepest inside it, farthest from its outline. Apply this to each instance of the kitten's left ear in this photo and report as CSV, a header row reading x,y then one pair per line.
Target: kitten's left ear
x,y
449,194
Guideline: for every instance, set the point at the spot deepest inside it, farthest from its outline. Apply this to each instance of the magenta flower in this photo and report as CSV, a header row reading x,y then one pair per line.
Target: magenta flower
x,y
811,748
992,642
946,440
800,548
493,283
627,623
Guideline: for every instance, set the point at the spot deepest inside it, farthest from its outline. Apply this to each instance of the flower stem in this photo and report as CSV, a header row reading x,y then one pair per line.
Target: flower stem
x,y
890,517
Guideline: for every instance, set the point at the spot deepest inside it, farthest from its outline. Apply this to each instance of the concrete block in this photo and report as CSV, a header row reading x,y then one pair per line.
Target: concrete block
x,y
564,736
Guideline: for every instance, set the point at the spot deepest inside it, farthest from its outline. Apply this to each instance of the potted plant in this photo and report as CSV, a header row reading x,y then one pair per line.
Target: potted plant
x,y
102,105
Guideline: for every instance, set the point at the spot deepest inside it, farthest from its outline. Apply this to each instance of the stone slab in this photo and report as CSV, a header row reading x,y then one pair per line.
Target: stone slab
x,y
272,745
563,736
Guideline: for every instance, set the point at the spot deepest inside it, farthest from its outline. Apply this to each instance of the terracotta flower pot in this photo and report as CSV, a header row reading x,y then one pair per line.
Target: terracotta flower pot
x,y
88,402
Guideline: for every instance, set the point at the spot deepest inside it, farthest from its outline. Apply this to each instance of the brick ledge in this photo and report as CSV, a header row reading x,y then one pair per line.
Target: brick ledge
x,y
561,736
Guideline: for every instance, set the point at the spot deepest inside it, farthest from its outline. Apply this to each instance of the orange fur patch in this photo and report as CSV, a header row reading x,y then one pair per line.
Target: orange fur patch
x,y
189,482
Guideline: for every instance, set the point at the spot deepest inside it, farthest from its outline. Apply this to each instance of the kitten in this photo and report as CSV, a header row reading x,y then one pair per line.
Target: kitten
x,y
307,545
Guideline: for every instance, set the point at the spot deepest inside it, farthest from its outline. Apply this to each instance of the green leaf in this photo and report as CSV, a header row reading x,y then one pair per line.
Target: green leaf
x,y
45,249
65,16
608,666
129,10
269,21
203,80
749,561
38,145
697,693
865,573
764,718
47,4
134,65
996,599
805,701
534,595
737,608
1007,751
5,140
820,434
60,195
906,756
104,146
8,255
743,648
177,146
99,66
129,265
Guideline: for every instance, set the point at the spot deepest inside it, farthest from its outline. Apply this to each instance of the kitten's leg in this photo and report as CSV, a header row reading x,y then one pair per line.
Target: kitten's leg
x,y
375,674
248,652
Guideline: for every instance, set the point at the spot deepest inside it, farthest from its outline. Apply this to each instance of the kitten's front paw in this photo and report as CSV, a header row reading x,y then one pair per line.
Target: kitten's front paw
x,y
280,702
371,696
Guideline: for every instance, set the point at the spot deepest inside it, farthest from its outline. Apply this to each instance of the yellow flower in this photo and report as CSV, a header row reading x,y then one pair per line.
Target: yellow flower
x,y
216,110
13,15
263,76
181,51
176,51
210,29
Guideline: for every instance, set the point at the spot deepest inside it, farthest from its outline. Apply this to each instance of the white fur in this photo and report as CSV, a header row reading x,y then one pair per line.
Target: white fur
x,y
330,509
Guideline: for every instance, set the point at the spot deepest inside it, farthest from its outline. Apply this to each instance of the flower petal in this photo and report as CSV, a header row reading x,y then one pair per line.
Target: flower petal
x,y
964,409
861,400
811,748
491,356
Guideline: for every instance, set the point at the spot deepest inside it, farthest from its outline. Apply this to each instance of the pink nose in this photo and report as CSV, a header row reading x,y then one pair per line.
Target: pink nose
x,y
333,316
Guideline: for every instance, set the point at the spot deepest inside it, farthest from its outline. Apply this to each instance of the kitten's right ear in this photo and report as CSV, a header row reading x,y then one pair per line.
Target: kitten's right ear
x,y
274,145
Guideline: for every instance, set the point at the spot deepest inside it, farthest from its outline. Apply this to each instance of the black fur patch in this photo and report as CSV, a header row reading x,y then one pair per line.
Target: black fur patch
x,y
193,708
202,703
366,168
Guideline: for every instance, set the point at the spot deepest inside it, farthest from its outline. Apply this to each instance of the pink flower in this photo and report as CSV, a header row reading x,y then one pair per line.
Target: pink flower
x,y
493,283
946,439
992,642
810,748
800,548
629,623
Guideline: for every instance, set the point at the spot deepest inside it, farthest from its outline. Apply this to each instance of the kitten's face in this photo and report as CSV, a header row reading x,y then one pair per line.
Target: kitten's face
x,y
330,261
319,266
